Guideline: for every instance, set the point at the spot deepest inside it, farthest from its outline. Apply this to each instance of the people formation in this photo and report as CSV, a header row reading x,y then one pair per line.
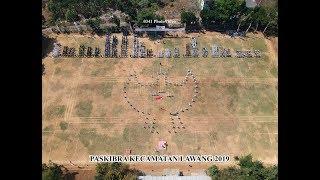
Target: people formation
x,y
150,121
140,50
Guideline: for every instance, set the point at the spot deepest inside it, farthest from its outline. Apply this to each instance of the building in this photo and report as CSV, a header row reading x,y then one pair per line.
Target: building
x,y
159,29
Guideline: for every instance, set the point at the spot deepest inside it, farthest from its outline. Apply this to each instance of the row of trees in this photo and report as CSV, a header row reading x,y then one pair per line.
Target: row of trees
x,y
71,9
114,171
218,15
54,171
223,15
234,15
247,169
138,11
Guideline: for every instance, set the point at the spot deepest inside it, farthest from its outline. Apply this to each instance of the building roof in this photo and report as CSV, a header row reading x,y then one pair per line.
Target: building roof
x,y
154,29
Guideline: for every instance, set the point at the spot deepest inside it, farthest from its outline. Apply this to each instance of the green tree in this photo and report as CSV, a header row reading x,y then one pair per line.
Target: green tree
x,y
129,7
222,14
60,9
147,15
52,172
247,169
71,15
144,3
272,22
56,8
95,25
226,11
233,14
271,173
213,171
245,161
208,18
233,173
115,171
188,17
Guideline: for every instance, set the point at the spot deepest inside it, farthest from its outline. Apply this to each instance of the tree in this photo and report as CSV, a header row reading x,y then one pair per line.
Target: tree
x,y
115,171
95,25
71,15
148,15
208,18
65,9
244,15
213,171
129,7
52,172
247,169
272,19
56,9
222,14
144,3
271,173
259,16
232,173
190,19
227,11
246,161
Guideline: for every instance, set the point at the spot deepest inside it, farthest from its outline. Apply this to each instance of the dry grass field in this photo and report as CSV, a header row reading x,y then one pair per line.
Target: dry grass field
x,y
85,112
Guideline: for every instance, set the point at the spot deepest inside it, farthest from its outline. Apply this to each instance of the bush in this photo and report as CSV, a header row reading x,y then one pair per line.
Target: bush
x,y
213,171
52,172
148,15
246,169
116,171
224,15
71,15
95,25
190,19
63,125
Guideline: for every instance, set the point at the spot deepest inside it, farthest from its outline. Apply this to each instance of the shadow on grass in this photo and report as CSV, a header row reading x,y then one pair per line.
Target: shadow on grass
x,y
70,175
47,45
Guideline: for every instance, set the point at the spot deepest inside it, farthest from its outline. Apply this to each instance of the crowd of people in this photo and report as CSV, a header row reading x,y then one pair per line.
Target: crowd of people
x,y
150,122
141,51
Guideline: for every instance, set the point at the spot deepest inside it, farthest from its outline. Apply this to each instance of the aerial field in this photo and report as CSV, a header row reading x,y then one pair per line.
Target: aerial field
x,y
235,112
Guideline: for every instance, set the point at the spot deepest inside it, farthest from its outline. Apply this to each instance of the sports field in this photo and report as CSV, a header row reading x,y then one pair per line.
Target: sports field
x,y
235,112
